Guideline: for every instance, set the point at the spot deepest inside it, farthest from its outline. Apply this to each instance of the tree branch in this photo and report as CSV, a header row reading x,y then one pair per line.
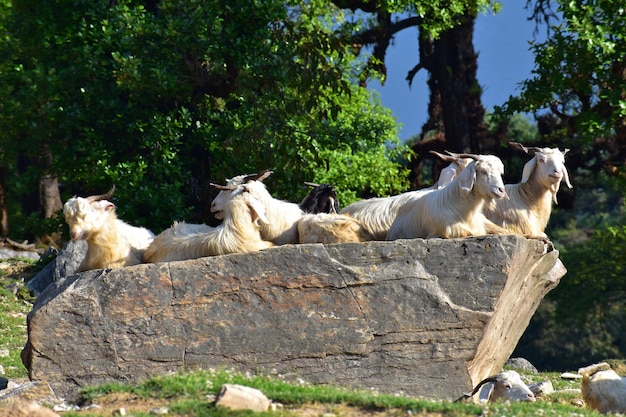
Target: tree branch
x,y
412,73
376,34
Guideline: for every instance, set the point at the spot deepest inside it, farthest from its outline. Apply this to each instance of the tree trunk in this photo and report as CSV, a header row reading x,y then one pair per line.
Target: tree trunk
x,y
49,194
456,113
4,209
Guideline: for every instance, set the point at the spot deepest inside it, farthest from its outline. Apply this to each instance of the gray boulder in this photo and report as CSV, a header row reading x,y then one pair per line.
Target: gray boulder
x,y
429,318
521,364
65,263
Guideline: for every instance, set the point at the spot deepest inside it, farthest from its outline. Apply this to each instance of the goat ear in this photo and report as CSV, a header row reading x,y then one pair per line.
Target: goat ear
x,y
528,169
446,176
467,178
566,177
257,209
103,205
555,188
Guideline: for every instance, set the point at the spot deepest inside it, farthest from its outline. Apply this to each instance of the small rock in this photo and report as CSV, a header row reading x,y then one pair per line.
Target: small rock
x,y
276,406
27,392
570,375
542,388
10,253
63,407
239,397
119,412
521,364
4,353
160,411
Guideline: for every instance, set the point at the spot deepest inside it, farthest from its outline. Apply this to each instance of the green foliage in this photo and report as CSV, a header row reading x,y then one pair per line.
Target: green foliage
x,y
579,70
582,320
162,102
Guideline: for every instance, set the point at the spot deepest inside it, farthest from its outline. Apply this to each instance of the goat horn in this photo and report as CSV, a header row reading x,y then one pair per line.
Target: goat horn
x,y
223,187
518,146
465,155
105,196
532,150
451,157
475,390
311,184
259,176
264,174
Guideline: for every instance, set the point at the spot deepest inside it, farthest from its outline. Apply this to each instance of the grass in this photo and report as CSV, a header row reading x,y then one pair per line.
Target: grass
x,y
15,303
186,395
189,393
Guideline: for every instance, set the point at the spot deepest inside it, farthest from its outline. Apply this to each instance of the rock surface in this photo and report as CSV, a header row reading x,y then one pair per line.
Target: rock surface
x,y
422,317
65,263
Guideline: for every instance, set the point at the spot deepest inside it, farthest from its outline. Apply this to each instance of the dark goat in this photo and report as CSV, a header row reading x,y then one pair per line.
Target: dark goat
x,y
321,199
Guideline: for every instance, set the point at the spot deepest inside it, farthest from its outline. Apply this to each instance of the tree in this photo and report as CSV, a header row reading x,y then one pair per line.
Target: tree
x,y
578,95
161,98
4,203
446,51
578,87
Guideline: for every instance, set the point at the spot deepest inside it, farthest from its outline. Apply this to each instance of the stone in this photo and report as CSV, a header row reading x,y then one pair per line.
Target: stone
x,y
542,388
65,263
521,364
428,318
26,409
240,397
6,253
28,391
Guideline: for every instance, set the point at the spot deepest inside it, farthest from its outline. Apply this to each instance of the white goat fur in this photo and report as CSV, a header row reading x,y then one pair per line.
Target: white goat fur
x,y
238,233
111,243
456,210
529,206
505,386
282,227
603,389
377,214
331,228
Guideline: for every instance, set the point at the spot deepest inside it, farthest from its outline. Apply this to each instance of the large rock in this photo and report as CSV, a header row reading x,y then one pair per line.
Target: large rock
x,y
424,317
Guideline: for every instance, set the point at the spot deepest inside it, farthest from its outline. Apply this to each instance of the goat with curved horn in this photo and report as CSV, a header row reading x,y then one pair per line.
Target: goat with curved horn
x,y
111,243
507,386
528,209
100,197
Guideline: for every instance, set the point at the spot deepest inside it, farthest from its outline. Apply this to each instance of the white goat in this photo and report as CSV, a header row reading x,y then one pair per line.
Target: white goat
x,y
283,216
377,214
505,386
603,389
331,228
455,210
238,233
528,208
111,243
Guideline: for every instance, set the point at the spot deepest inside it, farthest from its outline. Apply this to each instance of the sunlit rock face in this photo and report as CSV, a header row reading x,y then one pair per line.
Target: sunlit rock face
x,y
421,317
